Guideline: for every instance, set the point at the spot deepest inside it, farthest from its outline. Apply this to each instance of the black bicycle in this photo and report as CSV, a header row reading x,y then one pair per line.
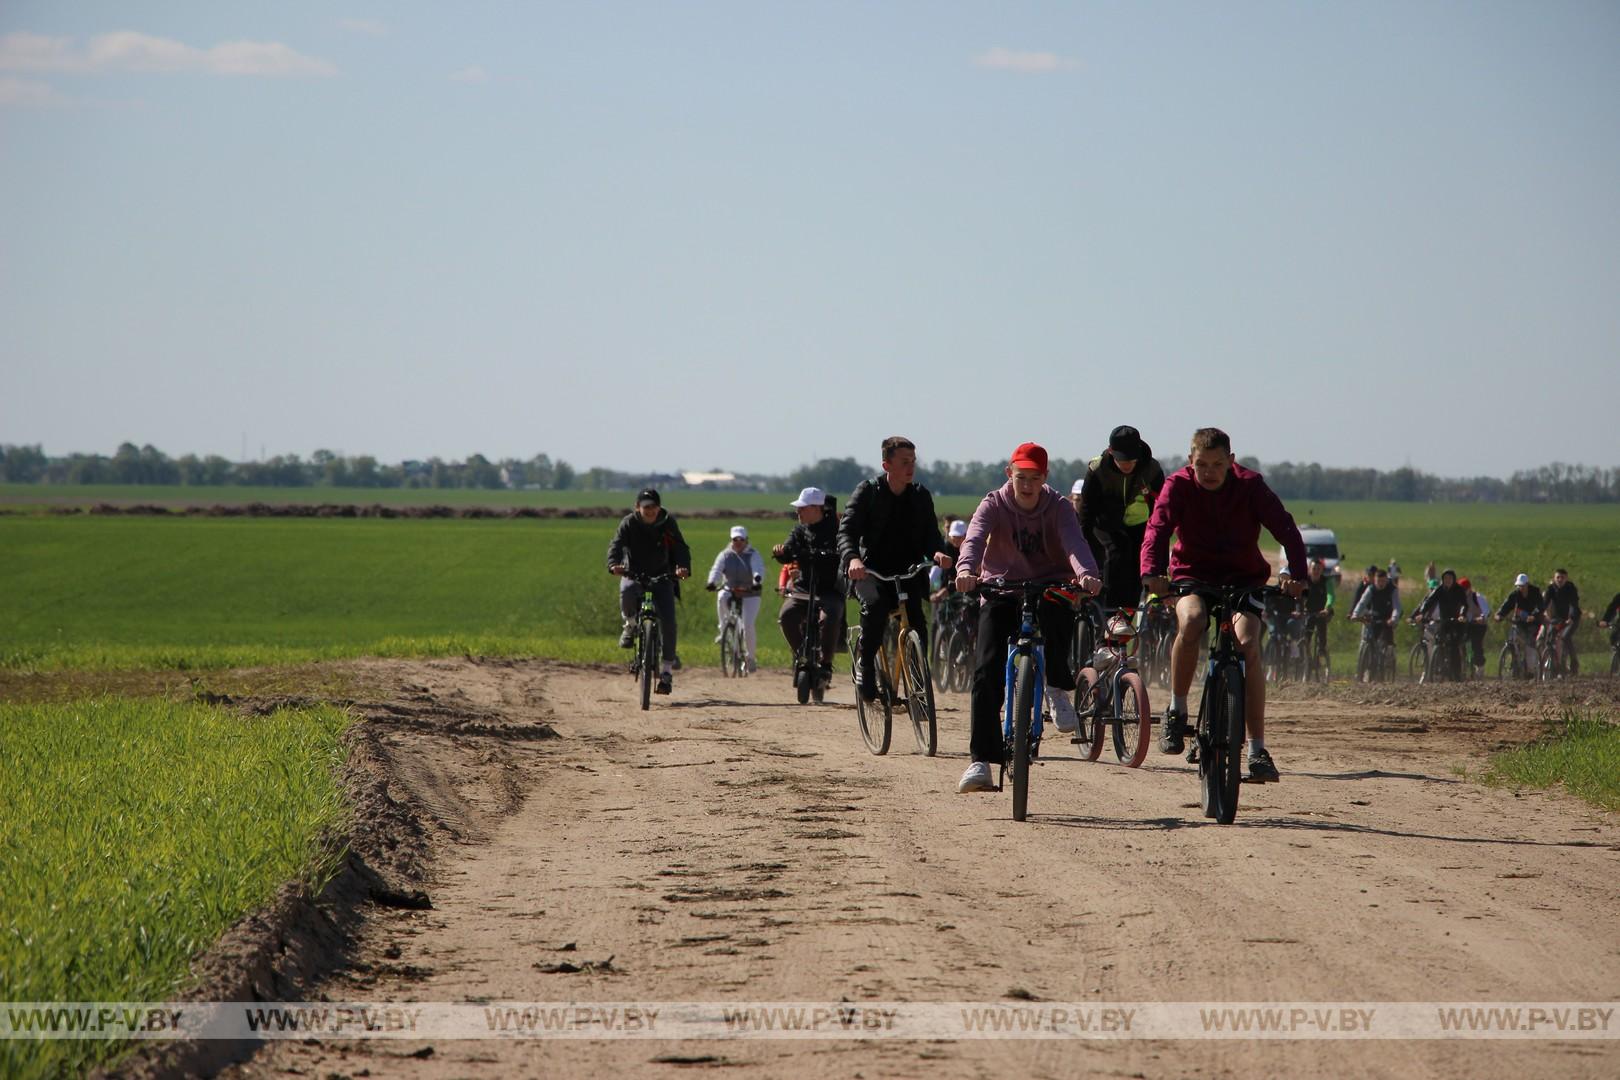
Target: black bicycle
x,y
1375,658
1218,736
808,662
955,644
649,636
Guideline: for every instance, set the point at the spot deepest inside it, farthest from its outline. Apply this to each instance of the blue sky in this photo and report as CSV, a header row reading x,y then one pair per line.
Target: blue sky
x,y
747,235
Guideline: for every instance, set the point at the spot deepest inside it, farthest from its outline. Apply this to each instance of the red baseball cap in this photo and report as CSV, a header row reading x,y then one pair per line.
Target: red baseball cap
x,y
1029,456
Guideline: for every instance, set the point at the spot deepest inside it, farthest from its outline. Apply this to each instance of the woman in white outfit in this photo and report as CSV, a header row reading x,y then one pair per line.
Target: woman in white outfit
x,y
738,569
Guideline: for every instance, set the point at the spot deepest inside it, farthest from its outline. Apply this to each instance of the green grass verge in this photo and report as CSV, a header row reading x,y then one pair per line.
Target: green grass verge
x,y
134,832
1582,755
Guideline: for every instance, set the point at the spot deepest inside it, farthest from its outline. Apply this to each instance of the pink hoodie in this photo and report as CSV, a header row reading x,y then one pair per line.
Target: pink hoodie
x,y
1043,544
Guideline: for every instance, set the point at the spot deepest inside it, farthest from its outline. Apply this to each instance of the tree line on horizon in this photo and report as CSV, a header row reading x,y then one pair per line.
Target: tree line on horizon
x,y
132,464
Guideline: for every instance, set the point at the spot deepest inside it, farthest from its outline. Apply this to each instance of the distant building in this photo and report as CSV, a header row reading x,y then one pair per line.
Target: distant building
x,y
709,479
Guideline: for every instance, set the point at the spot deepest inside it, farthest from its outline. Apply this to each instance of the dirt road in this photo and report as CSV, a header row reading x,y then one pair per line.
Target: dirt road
x,y
732,846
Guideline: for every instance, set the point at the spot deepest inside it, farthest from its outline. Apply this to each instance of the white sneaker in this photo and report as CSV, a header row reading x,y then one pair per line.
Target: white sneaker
x,y
1061,709
977,778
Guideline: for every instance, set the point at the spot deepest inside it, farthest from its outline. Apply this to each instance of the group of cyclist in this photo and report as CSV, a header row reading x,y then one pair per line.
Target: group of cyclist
x,y
1460,615
1111,538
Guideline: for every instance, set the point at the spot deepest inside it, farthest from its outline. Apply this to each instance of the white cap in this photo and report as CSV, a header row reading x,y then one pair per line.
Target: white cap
x,y
738,531
958,528
1522,579
811,496
1078,486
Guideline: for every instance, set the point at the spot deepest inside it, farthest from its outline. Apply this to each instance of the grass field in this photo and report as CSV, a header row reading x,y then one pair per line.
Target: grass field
x,y
152,592
133,833
1582,756
23,498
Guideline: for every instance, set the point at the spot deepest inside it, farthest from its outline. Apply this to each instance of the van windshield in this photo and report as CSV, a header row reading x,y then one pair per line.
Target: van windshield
x,y
1322,551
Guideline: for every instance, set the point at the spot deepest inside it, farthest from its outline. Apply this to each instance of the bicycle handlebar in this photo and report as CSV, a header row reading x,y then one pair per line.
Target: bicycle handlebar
x,y
648,580
902,575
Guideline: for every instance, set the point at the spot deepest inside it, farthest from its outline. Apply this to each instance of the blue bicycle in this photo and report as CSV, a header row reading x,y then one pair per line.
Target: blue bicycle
x,y
1021,725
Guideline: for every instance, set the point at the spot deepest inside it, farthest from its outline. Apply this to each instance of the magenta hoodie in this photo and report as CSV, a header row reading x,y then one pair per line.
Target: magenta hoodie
x,y
1043,544
1218,532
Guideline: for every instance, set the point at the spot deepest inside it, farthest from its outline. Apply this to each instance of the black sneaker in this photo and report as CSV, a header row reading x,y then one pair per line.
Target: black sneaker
x,y
1261,770
1172,739
675,664
866,679
824,680
627,637
665,684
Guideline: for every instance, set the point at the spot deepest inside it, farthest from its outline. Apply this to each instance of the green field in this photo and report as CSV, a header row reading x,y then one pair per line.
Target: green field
x,y
134,833
23,498
155,592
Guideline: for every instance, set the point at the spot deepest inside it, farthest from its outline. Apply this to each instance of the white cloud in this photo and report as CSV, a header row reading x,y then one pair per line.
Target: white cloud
x,y
1026,63
26,92
130,50
474,74
370,27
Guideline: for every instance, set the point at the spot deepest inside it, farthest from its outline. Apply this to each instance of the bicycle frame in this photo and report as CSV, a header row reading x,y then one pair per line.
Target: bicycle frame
x,y
1028,643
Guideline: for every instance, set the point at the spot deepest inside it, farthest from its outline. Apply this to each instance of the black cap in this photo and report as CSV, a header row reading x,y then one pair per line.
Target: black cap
x,y
649,495
1125,443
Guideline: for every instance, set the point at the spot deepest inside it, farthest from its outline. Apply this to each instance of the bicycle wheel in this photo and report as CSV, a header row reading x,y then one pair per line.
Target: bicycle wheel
x,y
961,660
939,657
1133,727
1088,706
1386,662
919,692
873,716
1614,662
1220,759
728,649
651,646
1023,719
1417,661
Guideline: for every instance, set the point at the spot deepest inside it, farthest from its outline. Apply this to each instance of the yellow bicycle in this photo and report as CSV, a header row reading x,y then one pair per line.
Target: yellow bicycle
x,y
902,676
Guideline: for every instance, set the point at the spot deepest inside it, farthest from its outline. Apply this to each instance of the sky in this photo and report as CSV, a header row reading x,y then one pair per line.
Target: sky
x,y
658,236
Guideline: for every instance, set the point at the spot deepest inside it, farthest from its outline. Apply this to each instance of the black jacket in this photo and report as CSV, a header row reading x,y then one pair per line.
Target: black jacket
x,y
889,532
1563,603
1106,494
818,542
1529,603
1446,602
649,549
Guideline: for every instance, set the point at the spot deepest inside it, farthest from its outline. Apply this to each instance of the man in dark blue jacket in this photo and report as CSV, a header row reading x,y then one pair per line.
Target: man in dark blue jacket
x,y
649,543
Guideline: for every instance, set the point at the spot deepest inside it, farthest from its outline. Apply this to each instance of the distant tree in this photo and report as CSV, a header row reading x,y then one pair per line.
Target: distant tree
x,y
837,475
22,464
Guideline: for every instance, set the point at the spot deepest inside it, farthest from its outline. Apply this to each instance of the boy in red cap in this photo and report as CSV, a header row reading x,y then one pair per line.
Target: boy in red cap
x,y
1024,531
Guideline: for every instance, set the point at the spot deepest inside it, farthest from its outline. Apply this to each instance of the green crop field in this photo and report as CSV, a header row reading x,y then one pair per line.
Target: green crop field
x,y
131,592
155,592
133,833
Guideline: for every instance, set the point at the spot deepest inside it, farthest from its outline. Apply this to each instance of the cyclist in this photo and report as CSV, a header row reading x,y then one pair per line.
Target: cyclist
x,y
1379,607
1216,508
1116,497
1477,614
1367,577
1612,622
1563,605
649,542
1394,572
1282,614
888,525
1523,604
738,571
1021,532
942,585
1447,603
1075,491
813,539
1319,604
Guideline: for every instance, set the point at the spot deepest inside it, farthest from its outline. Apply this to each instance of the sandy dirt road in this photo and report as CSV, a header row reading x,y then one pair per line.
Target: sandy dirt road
x,y
733,846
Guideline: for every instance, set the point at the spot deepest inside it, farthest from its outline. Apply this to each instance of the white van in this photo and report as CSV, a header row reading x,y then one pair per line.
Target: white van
x,y
1319,544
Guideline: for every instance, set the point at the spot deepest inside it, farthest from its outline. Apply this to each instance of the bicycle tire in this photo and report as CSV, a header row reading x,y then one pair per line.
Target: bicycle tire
x,y
1023,719
961,660
728,647
874,717
650,648
1506,663
1088,735
919,693
1417,661
939,658
1220,761
802,678
1366,658
1133,725
1614,662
